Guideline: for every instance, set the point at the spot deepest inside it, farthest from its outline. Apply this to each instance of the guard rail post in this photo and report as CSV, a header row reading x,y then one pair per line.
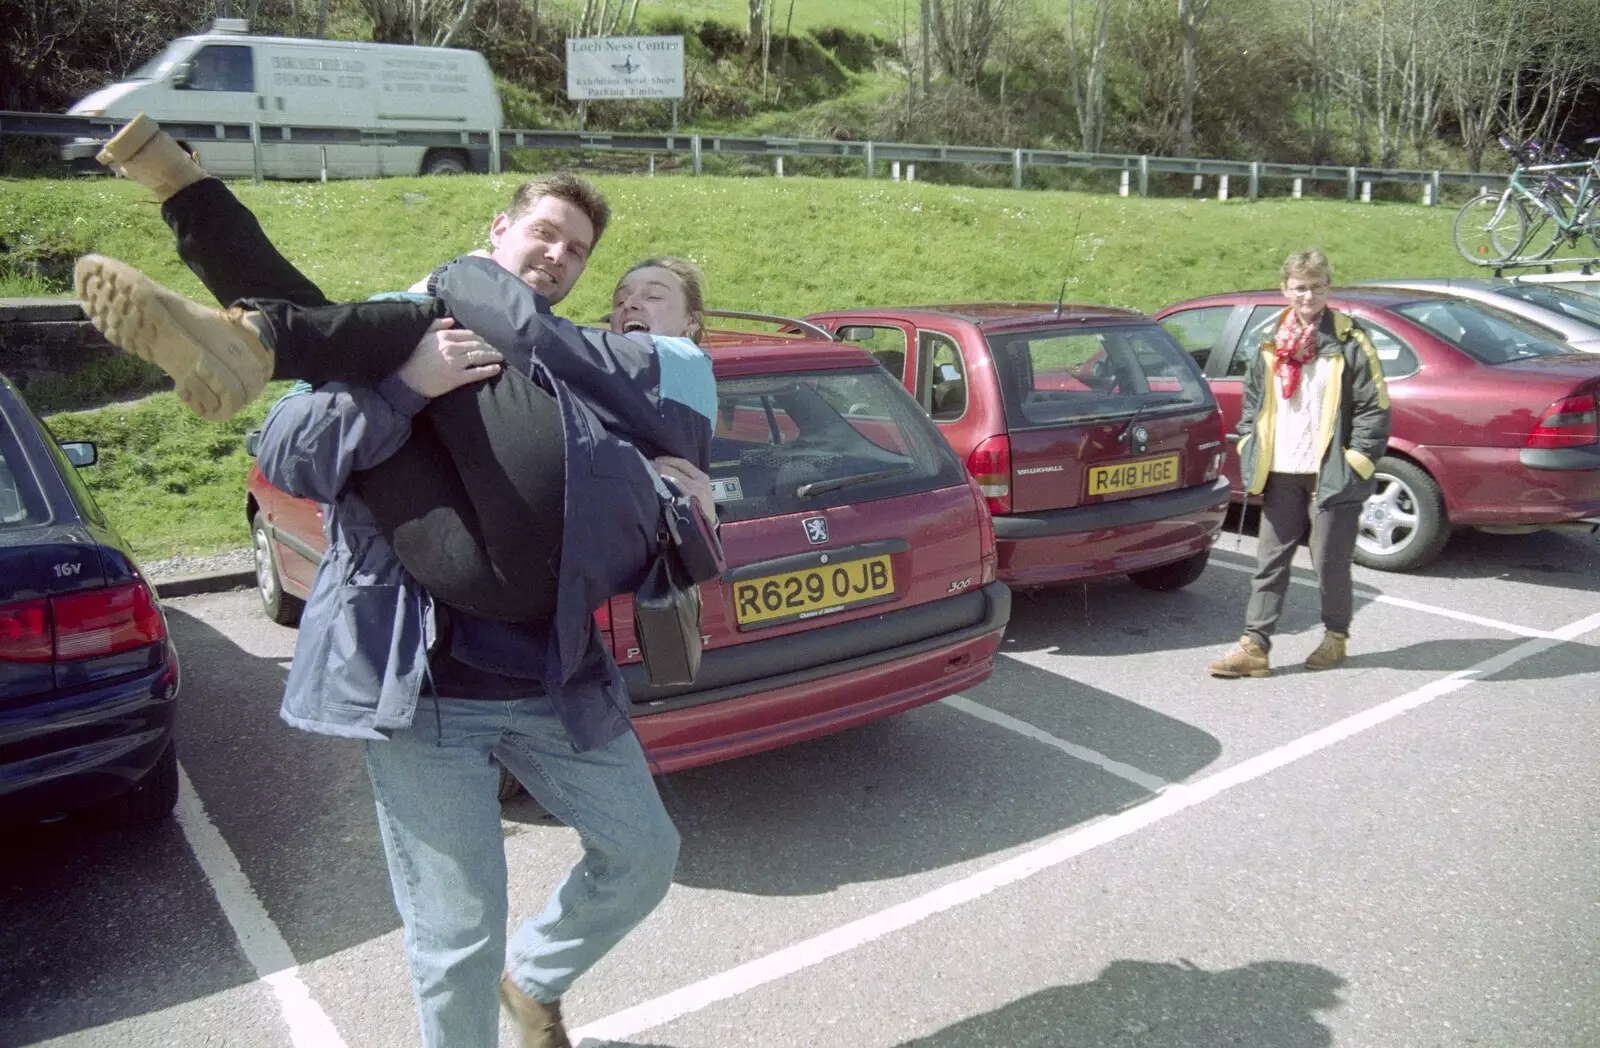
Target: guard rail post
x,y
494,150
1436,186
1350,188
694,149
1016,169
1144,176
255,151
1122,183
870,159
1255,180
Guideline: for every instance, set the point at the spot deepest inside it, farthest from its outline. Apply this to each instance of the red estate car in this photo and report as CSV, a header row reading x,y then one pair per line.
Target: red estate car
x,y
861,576
1494,421
1092,433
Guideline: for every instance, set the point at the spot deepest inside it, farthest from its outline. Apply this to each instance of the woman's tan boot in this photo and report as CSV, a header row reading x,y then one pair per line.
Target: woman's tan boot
x,y
215,356
148,155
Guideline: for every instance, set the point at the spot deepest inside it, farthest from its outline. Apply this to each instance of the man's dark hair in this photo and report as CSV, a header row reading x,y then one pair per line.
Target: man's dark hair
x,y
563,186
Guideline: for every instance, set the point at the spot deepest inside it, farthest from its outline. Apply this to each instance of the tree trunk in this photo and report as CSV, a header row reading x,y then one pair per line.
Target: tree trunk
x,y
752,46
1189,14
322,18
927,47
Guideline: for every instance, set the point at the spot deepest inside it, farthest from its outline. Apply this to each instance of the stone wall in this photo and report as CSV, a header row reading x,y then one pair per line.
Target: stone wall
x,y
51,352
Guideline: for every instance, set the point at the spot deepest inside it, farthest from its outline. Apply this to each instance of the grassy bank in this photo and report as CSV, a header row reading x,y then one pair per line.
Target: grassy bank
x,y
175,484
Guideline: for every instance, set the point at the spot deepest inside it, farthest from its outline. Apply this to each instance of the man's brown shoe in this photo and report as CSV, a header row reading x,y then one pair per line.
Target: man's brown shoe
x,y
538,1024
1329,653
1247,659
215,356
148,155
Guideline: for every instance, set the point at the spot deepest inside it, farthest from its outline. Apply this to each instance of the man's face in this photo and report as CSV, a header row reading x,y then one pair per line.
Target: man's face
x,y
1306,295
652,299
548,247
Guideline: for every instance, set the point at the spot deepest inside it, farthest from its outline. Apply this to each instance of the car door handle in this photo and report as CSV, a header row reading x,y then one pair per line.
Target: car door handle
x,y
1234,438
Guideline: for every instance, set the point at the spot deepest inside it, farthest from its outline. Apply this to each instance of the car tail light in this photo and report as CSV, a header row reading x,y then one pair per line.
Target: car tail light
x,y
990,466
25,632
602,617
106,621
1566,424
1220,456
988,557
81,625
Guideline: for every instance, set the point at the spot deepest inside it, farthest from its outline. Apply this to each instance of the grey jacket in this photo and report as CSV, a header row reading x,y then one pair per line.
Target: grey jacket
x,y
1354,431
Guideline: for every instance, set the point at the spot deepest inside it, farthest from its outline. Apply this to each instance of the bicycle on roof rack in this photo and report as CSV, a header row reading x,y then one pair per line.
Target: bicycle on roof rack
x,y
1550,200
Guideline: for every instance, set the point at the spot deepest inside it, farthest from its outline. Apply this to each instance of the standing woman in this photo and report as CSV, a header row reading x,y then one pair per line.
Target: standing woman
x,y
1314,423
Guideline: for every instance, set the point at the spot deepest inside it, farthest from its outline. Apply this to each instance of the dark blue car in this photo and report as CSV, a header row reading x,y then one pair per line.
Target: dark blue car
x,y
88,671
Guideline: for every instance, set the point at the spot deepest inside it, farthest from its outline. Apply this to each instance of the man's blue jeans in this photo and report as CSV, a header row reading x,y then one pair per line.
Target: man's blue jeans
x,y
436,790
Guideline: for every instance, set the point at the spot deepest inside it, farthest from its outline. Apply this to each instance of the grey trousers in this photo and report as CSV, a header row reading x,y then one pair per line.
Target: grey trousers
x,y
1287,509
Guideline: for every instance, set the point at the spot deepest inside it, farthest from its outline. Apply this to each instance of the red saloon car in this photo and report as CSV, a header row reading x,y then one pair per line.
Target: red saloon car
x,y
1494,421
1092,433
861,578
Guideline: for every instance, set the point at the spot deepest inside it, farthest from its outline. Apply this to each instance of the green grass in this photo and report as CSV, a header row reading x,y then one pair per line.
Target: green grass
x,y
174,483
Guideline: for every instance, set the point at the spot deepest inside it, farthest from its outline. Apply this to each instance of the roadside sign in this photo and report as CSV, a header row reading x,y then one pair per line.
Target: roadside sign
x,y
624,67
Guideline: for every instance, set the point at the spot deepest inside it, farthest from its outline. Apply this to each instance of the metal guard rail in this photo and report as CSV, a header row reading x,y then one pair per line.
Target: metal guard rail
x,y
61,125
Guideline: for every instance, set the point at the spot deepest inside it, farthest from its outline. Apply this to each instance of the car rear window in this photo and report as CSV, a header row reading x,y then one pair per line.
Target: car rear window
x,y
1073,375
790,443
1558,300
1482,332
21,503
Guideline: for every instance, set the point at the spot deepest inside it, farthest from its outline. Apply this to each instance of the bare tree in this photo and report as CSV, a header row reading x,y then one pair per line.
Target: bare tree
x,y
1087,71
1190,14
1487,44
963,33
758,22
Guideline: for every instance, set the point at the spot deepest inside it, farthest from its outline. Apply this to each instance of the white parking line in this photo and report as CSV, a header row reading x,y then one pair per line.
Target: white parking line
x,y
1143,779
264,946
692,998
1400,602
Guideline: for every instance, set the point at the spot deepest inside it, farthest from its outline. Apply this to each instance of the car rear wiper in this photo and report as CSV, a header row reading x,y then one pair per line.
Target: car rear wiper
x,y
820,487
1164,402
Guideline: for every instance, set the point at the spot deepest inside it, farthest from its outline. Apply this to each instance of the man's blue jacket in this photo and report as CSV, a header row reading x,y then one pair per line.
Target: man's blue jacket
x,y
368,626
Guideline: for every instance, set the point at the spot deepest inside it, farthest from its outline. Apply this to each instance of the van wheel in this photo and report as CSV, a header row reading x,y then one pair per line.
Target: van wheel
x,y
444,162
1172,576
1403,522
278,606
153,799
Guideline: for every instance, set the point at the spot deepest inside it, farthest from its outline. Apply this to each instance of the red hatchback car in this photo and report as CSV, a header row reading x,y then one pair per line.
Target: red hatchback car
x,y
1092,433
861,577
1494,421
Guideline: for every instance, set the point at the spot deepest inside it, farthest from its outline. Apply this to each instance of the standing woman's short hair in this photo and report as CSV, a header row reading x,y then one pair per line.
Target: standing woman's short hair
x,y
1308,264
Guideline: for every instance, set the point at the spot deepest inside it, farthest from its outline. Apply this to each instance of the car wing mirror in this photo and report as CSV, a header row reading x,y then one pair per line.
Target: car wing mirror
x,y
181,74
80,452
252,443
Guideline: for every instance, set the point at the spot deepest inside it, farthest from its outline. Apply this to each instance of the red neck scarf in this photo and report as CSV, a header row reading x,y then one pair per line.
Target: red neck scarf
x,y
1295,347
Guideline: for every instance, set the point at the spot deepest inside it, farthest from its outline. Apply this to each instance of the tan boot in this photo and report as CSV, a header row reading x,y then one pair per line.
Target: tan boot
x,y
1329,653
1247,659
148,155
215,356
538,1024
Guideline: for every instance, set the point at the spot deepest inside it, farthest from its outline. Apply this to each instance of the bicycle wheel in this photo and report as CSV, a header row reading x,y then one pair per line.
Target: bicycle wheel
x,y
1490,229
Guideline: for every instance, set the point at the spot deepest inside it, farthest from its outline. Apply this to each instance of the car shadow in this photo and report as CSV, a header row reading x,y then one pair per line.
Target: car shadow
x,y
1145,1004
1543,558
1572,659
912,794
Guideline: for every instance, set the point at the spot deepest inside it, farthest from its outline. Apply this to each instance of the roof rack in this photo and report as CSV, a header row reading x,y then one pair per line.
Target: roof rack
x,y
1585,265
805,327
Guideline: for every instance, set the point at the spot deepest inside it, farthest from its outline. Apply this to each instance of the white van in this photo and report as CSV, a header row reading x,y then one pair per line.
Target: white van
x,y
226,76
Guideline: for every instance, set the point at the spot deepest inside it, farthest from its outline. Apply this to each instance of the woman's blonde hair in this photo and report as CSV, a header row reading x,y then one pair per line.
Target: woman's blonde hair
x,y
694,286
1308,263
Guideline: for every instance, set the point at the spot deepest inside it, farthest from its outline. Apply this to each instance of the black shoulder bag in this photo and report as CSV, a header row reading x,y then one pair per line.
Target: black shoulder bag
x,y
666,607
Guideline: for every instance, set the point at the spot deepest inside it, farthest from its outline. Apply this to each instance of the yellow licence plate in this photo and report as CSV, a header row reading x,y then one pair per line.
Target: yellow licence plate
x,y
1133,476
805,594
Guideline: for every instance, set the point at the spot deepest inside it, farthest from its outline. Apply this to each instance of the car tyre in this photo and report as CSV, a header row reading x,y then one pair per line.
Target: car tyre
x,y
1403,522
152,800
509,786
1174,576
278,606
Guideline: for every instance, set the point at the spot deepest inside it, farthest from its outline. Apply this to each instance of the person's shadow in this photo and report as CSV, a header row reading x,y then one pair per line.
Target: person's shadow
x,y
1145,1004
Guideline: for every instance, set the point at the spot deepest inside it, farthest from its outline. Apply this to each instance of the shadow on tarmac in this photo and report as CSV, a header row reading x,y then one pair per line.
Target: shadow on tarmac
x,y
1143,1004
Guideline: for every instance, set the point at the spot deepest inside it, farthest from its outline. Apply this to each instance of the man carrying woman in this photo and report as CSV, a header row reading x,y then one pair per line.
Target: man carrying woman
x,y
484,496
